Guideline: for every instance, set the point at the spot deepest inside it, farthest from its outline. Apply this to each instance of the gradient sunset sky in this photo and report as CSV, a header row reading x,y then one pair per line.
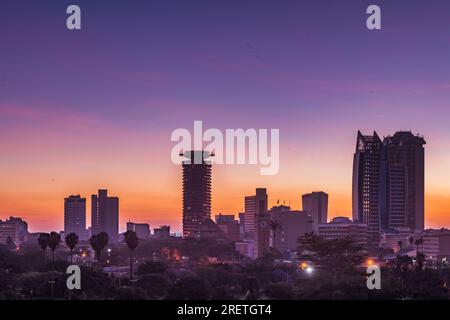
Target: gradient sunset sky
x,y
90,109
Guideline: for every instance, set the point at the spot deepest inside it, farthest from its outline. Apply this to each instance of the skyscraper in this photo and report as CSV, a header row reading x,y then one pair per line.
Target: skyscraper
x,y
75,216
105,214
316,205
388,183
366,189
406,175
196,192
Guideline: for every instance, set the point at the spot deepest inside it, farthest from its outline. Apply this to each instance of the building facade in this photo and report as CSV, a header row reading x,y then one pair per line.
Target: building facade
x,y
316,205
163,232
290,225
388,183
75,216
366,188
230,226
257,221
142,229
105,214
341,227
14,228
406,180
196,192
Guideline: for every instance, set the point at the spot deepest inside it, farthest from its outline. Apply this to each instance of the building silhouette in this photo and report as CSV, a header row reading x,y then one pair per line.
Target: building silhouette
x,y
142,229
367,187
388,184
405,175
105,214
291,224
254,206
196,192
75,216
229,225
14,228
163,232
342,227
256,222
316,205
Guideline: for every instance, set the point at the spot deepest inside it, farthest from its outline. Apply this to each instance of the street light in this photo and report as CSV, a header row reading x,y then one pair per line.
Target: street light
x,y
309,270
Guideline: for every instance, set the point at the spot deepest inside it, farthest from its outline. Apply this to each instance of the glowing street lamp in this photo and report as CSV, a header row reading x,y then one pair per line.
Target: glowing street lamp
x,y
309,270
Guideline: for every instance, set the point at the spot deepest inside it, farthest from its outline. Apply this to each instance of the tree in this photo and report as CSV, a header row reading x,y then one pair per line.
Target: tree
x,y
53,242
132,242
403,262
150,267
43,240
280,290
71,242
156,285
98,243
338,256
420,259
10,243
411,241
274,226
418,243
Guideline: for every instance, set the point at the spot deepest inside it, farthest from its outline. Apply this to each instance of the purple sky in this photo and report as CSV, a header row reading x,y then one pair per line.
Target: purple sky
x,y
139,69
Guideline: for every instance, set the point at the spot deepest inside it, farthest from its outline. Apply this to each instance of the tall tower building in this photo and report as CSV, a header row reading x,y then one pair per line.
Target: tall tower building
x,y
366,188
196,192
406,180
256,221
316,205
254,205
388,183
75,216
105,214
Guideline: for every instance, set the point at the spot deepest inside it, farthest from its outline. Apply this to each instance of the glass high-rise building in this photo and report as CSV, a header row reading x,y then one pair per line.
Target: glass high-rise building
x,y
366,188
388,183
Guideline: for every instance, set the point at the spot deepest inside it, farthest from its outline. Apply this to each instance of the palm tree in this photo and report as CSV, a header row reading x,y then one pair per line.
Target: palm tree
x,y
53,242
71,242
400,244
274,226
132,241
43,240
98,243
418,243
411,241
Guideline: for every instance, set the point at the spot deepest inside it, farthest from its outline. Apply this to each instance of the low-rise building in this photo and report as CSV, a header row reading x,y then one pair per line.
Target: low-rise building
x,y
287,225
142,229
14,228
162,232
341,227
229,226
435,244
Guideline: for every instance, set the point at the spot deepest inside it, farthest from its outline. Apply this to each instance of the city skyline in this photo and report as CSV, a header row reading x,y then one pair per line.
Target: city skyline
x,y
177,225
100,104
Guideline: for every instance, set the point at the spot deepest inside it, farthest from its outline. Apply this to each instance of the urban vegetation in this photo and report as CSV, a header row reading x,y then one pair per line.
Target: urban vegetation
x,y
192,269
